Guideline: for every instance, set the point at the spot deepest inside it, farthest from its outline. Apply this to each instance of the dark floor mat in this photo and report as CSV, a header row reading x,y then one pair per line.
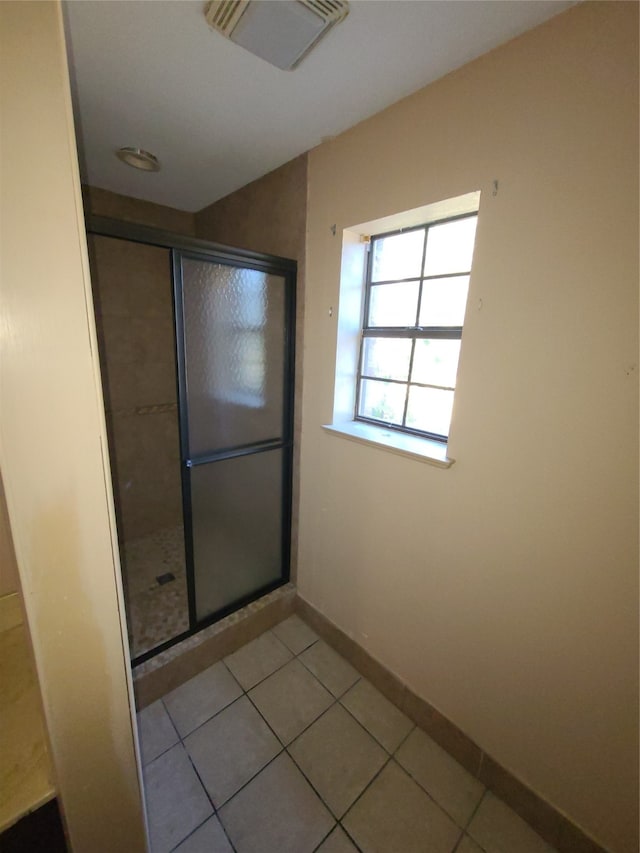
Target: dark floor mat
x,y
38,832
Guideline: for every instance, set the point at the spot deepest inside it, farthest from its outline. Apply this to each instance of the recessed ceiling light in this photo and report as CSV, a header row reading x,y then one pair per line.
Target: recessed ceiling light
x,y
139,159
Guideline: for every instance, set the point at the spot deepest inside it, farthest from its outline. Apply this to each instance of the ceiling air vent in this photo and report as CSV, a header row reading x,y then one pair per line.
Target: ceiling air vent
x,y
280,32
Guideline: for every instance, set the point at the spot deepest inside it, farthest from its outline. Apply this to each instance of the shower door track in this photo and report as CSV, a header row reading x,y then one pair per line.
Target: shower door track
x,y
287,268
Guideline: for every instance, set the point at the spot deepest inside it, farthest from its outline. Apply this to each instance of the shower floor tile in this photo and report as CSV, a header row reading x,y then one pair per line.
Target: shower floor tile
x,y
358,775
155,612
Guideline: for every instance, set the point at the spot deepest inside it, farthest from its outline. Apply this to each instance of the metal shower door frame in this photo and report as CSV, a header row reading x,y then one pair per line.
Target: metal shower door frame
x,y
273,266
178,245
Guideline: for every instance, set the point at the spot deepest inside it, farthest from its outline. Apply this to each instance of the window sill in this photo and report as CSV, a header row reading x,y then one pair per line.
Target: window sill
x,y
423,449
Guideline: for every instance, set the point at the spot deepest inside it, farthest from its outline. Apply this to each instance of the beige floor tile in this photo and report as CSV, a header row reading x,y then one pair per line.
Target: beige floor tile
x,y
277,812
295,634
468,845
450,785
194,702
330,668
209,838
338,757
156,731
230,749
337,842
395,814
498,829
176,801
258,659
290,700
381,718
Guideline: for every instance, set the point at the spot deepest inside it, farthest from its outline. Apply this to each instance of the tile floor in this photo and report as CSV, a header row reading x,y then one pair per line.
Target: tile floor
x,y
284,748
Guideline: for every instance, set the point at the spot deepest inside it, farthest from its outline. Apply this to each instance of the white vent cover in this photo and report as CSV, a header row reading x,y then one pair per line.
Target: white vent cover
x,y
281,32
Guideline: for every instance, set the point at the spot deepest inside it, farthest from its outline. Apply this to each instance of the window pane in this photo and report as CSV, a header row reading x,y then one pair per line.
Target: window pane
x,y
387,358
393,304
444,301
396,257
382,401
450,246
429,410
435,362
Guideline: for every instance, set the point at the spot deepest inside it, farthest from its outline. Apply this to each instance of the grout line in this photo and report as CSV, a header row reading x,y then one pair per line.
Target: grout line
x,y
164,751
351,838
204,787
344,692
281,750
249,781
393,754
313,787
161,754
227,707
166,710
458,842
247,689
199,826
475,811
336,700
433,799
293,652
194,830
367,786
206,792
312,723
208,720
227,836
318,846
404,739
293,740
371,734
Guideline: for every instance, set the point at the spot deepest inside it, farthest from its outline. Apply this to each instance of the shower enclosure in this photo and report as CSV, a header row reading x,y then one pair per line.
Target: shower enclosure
x,y
196,348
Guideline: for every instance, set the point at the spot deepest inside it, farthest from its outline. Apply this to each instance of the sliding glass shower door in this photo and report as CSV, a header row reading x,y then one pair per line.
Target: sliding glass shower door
x,y
234,324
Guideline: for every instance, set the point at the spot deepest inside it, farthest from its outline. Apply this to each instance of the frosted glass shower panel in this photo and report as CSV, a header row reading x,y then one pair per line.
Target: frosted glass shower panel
x,y
237,528
235,351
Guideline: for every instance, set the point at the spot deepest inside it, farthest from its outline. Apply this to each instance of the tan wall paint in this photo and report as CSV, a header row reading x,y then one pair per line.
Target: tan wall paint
x,y
101,202
270,215
52,443
504,590
9,581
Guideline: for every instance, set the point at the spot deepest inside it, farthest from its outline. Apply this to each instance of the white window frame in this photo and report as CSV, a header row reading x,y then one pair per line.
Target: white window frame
x,y
350,320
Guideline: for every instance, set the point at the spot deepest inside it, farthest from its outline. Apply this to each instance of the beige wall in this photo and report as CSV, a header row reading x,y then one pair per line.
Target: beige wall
x,y
270,215
53,443
504,590
133,300
9,582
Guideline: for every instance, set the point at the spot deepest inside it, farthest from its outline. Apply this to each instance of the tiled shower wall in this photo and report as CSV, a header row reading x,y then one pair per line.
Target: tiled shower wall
x,y
134,316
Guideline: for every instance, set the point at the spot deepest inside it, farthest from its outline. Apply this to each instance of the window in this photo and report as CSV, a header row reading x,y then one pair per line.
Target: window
x,y
417,282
